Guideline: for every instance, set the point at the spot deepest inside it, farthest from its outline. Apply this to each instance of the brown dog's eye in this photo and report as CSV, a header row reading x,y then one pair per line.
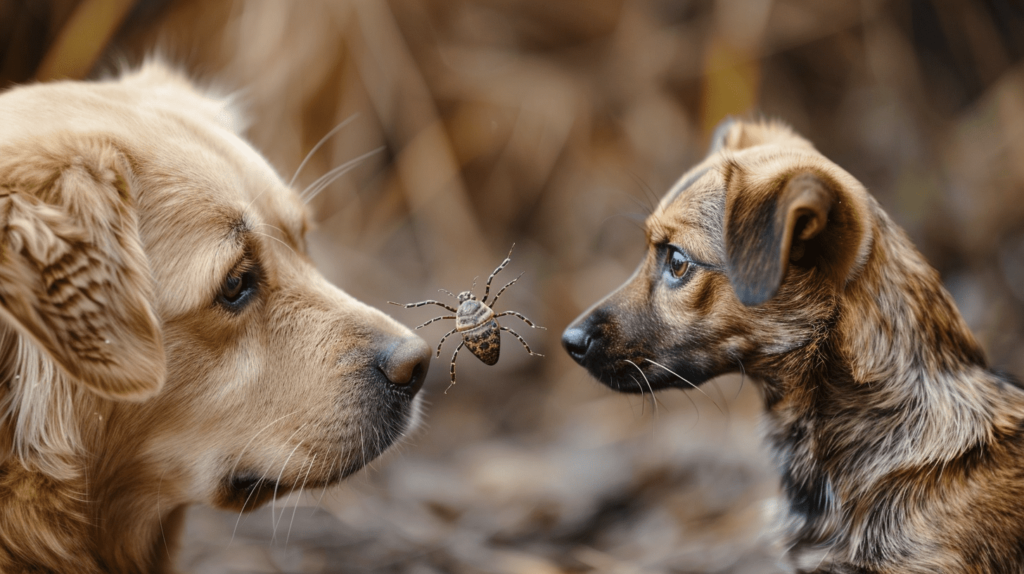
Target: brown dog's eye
x,y
677,264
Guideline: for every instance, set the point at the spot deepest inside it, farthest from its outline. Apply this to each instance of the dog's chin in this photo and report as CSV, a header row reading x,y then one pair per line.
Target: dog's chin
x,y
640,376
248,488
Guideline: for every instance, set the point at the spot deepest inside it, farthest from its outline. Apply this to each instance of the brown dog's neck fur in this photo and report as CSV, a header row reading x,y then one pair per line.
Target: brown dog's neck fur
x,y
54,518
896,358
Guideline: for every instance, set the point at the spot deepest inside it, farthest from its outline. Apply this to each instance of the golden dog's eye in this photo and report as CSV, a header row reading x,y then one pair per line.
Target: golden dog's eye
x,y
237,288
677,264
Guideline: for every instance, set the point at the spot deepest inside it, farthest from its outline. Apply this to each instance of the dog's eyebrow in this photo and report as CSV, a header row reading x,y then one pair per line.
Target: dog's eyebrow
x,y
685,184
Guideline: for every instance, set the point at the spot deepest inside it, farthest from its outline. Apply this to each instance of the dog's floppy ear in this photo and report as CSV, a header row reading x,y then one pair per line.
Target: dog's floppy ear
x,y
797,214
73,275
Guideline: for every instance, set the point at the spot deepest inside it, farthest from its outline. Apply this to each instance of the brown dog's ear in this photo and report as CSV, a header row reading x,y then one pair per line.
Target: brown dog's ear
x,y
734,135
73,275
801,214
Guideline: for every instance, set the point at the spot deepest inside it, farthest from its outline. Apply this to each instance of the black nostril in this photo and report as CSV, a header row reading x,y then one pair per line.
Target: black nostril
x,y
406,362
576,342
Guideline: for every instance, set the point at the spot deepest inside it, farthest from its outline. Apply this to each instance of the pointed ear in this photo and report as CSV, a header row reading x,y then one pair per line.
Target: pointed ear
x,y
720,137
799,215
733,134
73,275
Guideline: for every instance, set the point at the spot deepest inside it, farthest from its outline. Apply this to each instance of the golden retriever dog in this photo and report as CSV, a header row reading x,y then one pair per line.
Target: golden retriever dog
x,y
899,449
164,338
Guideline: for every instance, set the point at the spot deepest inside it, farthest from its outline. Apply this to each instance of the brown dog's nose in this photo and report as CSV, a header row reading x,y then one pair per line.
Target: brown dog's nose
x,y
576,341
405,363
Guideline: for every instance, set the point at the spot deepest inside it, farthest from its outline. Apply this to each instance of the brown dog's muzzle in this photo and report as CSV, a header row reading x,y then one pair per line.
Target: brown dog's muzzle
x,y
597,343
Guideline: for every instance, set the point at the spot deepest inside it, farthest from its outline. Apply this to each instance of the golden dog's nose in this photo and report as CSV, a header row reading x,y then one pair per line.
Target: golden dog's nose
x,y
406,362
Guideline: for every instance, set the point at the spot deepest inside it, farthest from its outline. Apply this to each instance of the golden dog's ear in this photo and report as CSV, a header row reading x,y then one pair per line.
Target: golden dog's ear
x,y
801,215
73,275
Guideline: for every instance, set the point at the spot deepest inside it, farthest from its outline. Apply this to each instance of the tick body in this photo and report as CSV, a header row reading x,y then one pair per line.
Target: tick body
x,y
480,330
477,322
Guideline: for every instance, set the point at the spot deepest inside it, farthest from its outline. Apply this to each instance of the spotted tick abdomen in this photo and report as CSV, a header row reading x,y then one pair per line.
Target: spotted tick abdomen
x,y
484,341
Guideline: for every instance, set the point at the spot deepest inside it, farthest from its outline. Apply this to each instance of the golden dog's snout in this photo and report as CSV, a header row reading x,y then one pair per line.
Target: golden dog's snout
x,y
405,363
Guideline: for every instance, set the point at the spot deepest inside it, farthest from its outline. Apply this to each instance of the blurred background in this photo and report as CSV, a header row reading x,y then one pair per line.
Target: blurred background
x,y
556,125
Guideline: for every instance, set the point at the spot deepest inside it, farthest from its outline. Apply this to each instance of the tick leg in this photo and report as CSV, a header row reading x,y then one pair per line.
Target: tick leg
x,y
448,293
422,303
507,285
436,319
520,315
521,340
456,354
442,342
487,288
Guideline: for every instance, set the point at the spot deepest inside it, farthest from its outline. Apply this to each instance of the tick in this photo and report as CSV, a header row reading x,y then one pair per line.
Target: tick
x,y
477,322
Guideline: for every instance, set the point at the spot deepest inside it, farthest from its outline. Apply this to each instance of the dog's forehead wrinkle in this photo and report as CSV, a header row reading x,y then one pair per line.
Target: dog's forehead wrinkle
x,y
693,223
685,183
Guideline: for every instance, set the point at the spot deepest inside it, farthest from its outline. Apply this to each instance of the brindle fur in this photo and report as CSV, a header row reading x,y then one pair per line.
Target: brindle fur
x,y
899,449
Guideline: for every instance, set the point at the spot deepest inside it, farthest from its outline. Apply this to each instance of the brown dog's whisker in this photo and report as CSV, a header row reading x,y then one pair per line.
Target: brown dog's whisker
x,y
681,378
642,374
643,396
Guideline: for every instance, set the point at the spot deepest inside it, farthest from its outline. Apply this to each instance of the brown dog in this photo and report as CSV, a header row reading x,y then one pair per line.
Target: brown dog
x,y
164,338
899,450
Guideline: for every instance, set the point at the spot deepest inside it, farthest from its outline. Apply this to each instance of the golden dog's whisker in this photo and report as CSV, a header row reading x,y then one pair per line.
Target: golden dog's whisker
x,y
320,143
327,477
268,236
333,174
234,467
277,483
296,507
258,485
681,378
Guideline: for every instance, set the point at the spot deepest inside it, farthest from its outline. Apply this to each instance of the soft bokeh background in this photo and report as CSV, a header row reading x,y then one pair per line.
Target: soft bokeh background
x,y
556,124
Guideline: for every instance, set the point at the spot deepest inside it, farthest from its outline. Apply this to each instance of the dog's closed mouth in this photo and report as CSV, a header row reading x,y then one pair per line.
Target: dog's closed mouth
x,y
248,490
635,375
